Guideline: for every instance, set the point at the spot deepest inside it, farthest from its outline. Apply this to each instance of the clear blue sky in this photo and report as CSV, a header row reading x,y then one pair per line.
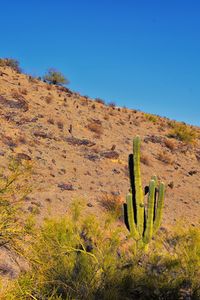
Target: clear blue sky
x,y
143,54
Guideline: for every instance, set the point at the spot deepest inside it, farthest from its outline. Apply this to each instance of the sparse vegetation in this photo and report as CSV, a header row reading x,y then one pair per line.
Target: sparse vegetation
x,y
55,77
11,63
79,258
182,132
170,144
111,104
99,100
13,189
48,99
144,158
112,203
151,118
96,127
164,157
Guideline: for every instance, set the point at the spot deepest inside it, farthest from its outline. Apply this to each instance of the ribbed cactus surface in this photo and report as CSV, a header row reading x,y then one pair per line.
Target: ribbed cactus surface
x,y
142,223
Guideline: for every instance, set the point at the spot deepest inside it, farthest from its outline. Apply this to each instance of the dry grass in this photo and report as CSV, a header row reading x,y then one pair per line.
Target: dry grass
x,y
151,118
112,104
48,99
99,100
164,157
112,204
183,132
23,91
95,127
60,125
144,158
170,144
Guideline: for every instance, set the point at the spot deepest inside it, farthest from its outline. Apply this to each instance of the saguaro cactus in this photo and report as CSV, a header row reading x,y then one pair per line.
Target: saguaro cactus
x,y
142,223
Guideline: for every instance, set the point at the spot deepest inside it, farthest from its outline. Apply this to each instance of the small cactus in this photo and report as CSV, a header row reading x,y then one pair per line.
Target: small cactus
x,y
142,223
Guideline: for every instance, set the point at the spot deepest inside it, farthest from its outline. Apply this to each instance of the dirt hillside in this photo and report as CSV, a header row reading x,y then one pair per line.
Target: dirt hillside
x,y
79,149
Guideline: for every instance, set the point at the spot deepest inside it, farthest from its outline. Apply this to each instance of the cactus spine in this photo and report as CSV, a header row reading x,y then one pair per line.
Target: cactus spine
x,y
142,223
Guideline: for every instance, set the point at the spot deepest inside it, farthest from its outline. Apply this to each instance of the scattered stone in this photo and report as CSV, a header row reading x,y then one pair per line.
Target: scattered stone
x,y
66,186
110,154
18,103
42,134
192,172
7,140
79,142
2,153
113,147
92,157
171,185
7,270
115,171
23,156
153,139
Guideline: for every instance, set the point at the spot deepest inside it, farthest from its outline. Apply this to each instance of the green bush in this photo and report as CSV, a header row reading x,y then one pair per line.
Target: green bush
x,y
55,77
10,62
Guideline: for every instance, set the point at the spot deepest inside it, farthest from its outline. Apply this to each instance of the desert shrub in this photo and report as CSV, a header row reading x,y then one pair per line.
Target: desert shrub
x,y
49,99
111,104
164,157
151,118
144,158
99,100
183,133
112,204
10,62
71,258
55,77
13,189
79,258
170,144
96,127
60,125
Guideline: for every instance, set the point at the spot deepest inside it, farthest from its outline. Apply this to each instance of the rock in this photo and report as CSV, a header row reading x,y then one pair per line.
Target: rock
x,y
192,172
79,142
18,103
171,185
110,154
66,186
23,156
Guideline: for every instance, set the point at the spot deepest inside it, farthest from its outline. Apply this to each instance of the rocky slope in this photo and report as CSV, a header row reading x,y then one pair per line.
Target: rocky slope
x,y
79,149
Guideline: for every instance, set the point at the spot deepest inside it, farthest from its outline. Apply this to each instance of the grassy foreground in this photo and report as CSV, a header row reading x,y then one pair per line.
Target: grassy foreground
x,y
78,258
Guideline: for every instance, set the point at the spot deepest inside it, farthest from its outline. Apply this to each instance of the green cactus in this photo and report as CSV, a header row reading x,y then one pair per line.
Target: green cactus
x,y
142,223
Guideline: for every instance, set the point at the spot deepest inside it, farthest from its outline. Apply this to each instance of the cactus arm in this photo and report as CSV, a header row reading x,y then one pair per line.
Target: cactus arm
x,y
160,205
133,230
126,216
150,212
138,186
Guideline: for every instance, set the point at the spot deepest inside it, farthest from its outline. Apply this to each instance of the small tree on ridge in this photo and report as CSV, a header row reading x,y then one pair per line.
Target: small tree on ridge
x,y
55,77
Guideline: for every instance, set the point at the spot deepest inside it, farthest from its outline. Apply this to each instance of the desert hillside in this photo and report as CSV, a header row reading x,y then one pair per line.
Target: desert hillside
x,y
79,147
